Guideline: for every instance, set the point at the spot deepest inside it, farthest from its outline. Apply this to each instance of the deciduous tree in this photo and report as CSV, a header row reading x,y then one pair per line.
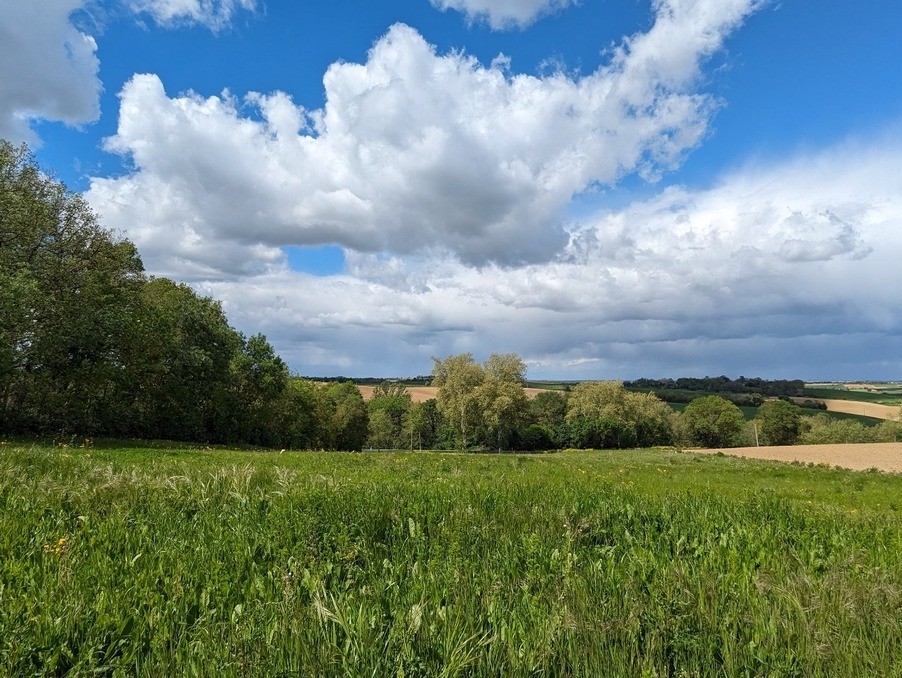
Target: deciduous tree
x,y
779,422
713,422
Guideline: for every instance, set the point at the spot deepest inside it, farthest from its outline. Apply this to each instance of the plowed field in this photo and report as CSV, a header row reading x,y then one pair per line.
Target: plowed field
x,y
858,457
865,409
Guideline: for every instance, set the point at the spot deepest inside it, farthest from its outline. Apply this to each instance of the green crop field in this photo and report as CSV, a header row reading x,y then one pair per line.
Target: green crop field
x,y
881,397
751,412
149,562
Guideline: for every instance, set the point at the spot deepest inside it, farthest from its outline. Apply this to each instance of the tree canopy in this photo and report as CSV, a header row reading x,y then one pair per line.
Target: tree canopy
x,y
713,422
780,422
90,345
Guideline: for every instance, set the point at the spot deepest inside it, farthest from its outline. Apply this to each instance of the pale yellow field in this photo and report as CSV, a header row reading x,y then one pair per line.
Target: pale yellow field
x,y
858,457
874,410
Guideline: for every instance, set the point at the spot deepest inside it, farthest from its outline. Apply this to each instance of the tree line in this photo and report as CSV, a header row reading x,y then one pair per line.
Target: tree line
x,y
723,384
483,406
91,345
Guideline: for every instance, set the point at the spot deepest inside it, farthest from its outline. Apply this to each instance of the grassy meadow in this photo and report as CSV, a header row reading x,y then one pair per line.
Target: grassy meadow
x,y
164,561
882,396
751,412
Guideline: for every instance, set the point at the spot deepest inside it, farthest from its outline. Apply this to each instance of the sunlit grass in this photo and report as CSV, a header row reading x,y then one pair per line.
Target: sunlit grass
x,y
216,562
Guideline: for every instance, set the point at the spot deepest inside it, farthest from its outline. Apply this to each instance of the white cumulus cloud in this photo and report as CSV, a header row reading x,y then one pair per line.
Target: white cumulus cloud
x,y
48,67
214,14
503,14
413,151
780,270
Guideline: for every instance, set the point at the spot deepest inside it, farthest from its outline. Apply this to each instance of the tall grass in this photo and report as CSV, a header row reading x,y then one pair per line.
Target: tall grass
x,y
630,563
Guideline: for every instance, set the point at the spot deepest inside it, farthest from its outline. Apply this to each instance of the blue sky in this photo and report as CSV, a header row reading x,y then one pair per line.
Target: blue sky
x,y
610,189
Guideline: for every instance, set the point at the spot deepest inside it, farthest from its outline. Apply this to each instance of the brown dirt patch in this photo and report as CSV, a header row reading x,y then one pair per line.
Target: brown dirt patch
x,y
866,409
858,457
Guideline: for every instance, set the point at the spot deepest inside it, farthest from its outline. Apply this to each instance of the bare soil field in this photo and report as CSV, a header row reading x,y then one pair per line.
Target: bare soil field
x,y
421,394
858,457
855,407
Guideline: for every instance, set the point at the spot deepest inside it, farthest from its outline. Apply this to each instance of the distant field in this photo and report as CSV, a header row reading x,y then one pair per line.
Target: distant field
x,y
861,408
643,562
751,412
858,457
887,396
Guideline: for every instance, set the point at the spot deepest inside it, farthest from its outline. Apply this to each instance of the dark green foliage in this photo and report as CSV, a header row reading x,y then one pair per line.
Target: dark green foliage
x,y
183,367
534,438
68,296
91,346
724,385
601,434
344,421
713,422
884,396
422,425
779,423
388,410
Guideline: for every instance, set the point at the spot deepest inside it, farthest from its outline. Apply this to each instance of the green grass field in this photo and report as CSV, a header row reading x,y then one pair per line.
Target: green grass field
x,y
882,397
137,561
751,412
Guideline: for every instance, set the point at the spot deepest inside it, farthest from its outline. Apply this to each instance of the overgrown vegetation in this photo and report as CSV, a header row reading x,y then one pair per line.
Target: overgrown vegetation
x,y
174,562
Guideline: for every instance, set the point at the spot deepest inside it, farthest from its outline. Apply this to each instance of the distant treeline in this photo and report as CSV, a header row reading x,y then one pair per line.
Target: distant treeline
x,y
420,380
754,388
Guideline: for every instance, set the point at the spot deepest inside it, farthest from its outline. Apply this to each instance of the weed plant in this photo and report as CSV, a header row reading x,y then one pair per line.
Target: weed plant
x,y
192,562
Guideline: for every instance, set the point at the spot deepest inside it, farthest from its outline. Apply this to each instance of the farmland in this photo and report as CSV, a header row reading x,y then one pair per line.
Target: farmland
x,y
889,393
218,562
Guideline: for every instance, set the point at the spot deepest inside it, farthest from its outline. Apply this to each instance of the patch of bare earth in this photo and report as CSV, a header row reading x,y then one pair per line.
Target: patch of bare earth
x,y
874,410
858,457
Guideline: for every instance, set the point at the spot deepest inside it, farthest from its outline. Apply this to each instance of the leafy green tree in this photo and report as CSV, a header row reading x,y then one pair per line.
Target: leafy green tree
x,y
713,422
259,380
457,378
507,368
298,426
535,437
605,413
503,407
822,429
344,417
548,409
69,288
388,410
484,403
600,433
185,351
547,429
422,425
380,431
89,345
779,422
